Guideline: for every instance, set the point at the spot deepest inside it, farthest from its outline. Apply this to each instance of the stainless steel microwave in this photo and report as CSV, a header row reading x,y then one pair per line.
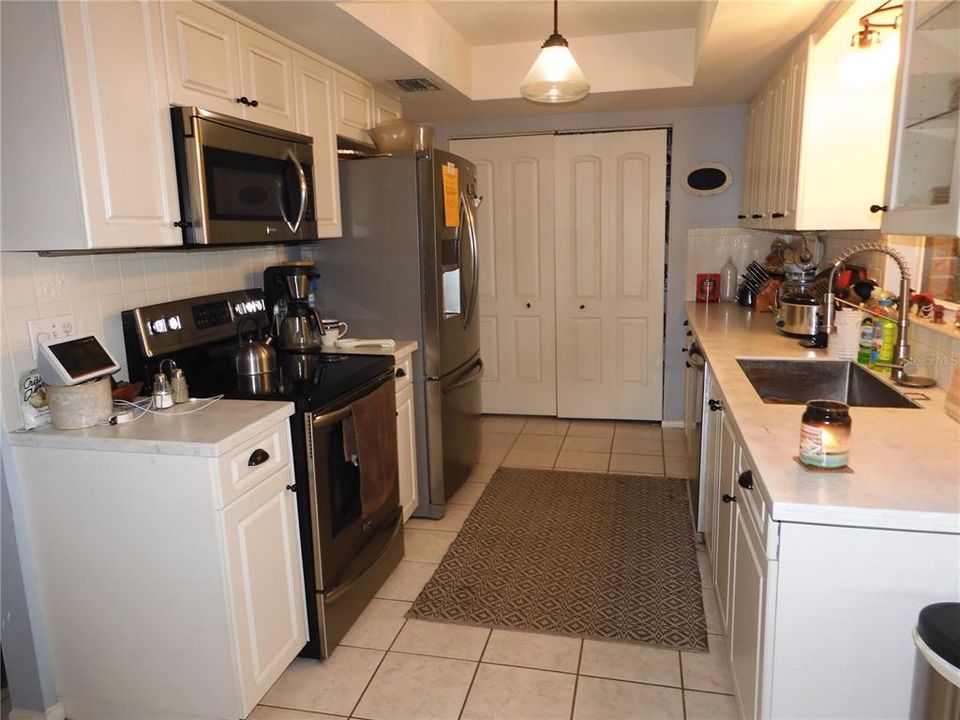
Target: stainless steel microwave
x,y
241,182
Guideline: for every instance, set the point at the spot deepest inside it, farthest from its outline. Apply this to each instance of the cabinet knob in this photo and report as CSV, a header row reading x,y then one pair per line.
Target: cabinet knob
x,y
583,307
400,373
715,405
689,333
741,217
292,488
728,498
745,480
757,216
254,103
777,215
528,305
243,100
878,208
182,224
686,323
687,364
258,457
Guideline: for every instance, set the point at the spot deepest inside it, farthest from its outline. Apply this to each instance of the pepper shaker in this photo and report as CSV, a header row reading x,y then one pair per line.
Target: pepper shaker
x,y
178,384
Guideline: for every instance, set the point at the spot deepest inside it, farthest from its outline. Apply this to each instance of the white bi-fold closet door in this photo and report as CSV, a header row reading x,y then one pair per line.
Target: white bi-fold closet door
x,y
572,235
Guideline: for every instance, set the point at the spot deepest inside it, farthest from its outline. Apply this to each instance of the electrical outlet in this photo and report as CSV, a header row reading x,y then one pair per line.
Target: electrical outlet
x,y
50,330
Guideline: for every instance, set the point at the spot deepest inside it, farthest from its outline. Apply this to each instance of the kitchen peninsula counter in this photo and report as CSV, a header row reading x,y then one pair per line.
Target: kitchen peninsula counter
x,y
905,462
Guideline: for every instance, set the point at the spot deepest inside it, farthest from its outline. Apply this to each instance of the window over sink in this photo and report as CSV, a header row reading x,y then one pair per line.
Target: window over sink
x,y
940,274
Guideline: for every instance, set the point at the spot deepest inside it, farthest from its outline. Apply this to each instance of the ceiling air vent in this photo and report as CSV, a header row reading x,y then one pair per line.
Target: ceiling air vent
x,y
416,85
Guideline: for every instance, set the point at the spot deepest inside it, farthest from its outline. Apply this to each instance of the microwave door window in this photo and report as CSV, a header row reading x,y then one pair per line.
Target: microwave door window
x,y
246,187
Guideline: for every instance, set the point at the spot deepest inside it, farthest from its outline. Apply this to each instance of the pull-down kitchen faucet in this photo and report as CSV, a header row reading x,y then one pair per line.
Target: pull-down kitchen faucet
x,y
901,357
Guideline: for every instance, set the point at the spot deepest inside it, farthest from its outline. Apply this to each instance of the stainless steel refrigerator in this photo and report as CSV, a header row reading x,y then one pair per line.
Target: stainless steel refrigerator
x,y
407,268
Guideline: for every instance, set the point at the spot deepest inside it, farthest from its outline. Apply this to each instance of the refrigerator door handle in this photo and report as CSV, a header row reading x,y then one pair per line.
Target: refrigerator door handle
x,y
463,230
475,259
471,375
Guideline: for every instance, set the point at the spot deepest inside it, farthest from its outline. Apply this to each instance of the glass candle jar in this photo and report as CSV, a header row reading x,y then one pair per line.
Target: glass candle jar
x,y
825,434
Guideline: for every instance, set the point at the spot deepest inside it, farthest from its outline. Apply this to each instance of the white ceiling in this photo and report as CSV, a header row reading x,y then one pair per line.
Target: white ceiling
x,y
744,42
491,22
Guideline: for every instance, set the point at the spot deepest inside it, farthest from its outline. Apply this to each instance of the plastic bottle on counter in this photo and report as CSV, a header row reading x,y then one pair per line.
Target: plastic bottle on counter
x,y
885,332
865,351
728,281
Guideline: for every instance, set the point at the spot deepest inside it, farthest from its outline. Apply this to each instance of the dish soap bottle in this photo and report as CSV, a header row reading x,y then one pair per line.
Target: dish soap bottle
x,y
728,281
865,350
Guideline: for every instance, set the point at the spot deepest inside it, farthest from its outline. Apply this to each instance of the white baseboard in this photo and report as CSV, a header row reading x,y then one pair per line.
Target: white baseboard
x,y
672,423
56,712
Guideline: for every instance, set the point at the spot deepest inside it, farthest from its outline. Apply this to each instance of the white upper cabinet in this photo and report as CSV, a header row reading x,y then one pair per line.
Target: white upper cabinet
x,y
216,63
203,63
354,108
316,102
87,156
923,182
385,108
817,137
266,77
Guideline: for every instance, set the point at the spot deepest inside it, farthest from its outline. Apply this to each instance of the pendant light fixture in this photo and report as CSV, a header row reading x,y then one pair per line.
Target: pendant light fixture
x,y
555,76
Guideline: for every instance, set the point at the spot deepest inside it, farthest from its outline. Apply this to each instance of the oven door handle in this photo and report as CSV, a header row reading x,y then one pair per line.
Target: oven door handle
x,y
345,586
331,418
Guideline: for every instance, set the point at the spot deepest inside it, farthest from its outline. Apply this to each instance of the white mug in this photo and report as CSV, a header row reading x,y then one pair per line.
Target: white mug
x,y
333,330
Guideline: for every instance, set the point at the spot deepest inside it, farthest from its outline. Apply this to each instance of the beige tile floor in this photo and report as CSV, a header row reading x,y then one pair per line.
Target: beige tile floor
x,y
390,668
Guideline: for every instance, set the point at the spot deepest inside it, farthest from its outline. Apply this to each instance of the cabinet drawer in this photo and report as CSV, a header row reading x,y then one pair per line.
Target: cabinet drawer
x,y
751,500
403,372
268,452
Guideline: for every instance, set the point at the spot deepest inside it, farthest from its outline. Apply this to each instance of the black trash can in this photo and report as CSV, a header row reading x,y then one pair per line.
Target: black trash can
x,y
936,672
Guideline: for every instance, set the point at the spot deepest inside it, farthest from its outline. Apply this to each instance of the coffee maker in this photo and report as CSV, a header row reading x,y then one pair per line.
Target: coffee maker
x,y
295,324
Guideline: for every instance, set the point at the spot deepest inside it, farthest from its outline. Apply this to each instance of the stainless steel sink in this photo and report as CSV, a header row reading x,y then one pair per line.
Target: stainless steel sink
x,y
794,382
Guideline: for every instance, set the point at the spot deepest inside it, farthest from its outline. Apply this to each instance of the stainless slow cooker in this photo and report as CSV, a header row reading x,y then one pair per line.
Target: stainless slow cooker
x,y
798,315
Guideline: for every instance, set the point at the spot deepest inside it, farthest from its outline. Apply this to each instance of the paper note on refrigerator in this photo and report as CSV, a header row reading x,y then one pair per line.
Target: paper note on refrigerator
x,y
451,194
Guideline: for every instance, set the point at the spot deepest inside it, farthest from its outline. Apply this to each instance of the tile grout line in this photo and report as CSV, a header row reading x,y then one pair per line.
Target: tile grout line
x,y
473,677
683,691
576,680
377,669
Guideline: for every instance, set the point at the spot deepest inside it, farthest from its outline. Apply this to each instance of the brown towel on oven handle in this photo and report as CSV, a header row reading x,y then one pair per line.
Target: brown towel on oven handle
x,y
370,433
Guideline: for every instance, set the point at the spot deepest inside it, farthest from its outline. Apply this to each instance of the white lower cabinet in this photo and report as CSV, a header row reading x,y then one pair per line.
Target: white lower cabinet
x,y
818,617
262,540
406,437
171,584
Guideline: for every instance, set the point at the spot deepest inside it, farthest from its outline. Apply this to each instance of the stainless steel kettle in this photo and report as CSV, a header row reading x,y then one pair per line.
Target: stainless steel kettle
x,y
253,356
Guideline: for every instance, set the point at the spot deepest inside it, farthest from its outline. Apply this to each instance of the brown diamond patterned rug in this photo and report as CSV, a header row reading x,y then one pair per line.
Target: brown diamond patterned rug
x,y
575,553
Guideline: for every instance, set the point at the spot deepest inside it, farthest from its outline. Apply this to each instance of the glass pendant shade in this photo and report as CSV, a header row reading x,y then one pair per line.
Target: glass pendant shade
x,y
555,76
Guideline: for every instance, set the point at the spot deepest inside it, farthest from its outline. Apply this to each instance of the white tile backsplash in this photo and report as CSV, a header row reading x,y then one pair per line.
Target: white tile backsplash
x,y
96,288
709,248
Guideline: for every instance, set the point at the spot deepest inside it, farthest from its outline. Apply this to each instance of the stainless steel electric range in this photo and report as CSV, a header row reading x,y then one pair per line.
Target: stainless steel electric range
x,y
346,556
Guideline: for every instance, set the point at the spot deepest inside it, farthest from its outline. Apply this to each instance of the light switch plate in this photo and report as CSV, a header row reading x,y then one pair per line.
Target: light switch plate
x,y
50,330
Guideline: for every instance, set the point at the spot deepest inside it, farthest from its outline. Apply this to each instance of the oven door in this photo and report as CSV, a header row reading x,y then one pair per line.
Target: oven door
x,y
352,556
241,185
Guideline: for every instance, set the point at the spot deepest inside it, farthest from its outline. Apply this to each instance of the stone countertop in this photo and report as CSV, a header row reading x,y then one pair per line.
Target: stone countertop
x,y
209,432
905,462
402,350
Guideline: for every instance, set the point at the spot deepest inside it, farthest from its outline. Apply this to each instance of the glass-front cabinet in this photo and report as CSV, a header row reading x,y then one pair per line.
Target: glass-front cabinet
x,y
923,181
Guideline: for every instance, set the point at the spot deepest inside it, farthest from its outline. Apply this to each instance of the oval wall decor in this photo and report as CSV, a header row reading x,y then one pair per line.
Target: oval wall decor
x,y
708,178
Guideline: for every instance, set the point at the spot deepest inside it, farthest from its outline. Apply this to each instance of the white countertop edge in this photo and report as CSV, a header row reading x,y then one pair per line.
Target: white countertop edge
x,y
274,412
881,519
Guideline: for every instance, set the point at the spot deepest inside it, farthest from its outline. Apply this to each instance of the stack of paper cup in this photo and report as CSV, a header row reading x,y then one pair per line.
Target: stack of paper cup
x,y
845,342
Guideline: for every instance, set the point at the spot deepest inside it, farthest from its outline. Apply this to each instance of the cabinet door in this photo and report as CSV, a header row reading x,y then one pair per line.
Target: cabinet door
x,y
203,62
793,129
712,423
113,52
923,183
266,78
354,108
385,108
316,104
747,198
265,575
407,450
726,521
746,633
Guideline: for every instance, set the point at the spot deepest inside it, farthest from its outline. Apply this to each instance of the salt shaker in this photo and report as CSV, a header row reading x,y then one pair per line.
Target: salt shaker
x,y
178,384
162,396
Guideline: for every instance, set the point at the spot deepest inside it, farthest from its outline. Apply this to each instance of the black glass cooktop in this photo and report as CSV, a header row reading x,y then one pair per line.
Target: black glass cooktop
x,y
311,381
